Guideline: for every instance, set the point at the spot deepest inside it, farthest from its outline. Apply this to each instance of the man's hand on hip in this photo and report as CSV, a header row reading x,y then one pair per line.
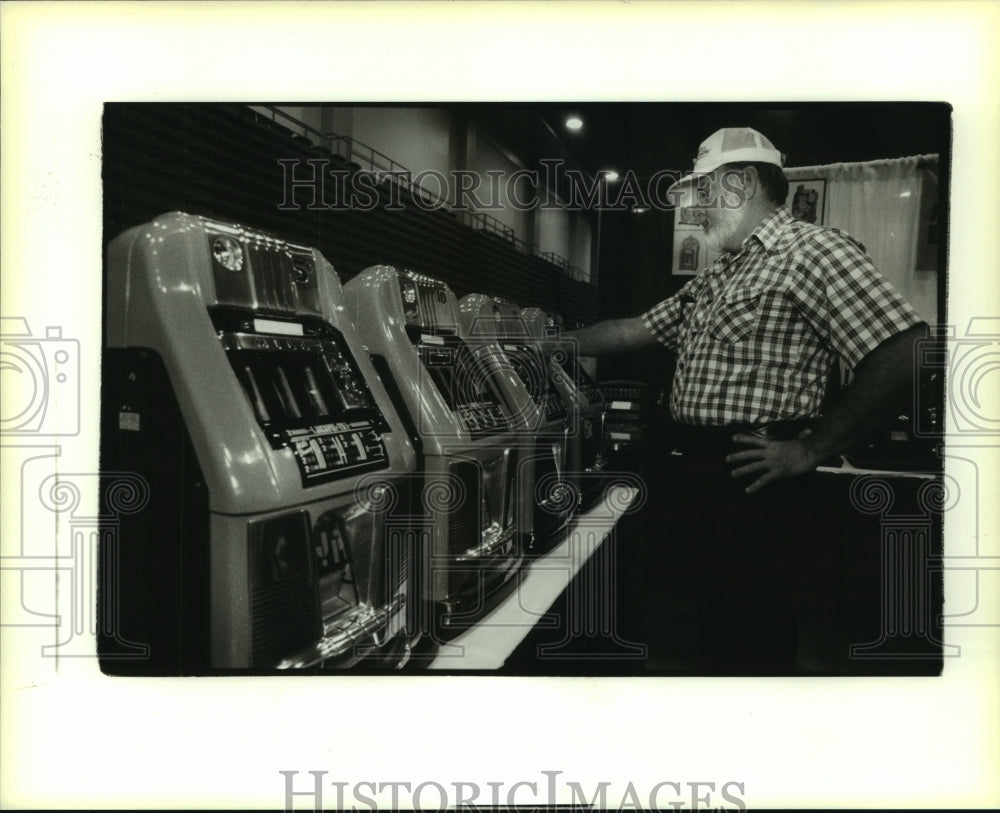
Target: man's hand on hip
x,y
772,459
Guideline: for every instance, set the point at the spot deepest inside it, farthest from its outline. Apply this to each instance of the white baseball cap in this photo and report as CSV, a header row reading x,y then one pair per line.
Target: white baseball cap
x,y
728,146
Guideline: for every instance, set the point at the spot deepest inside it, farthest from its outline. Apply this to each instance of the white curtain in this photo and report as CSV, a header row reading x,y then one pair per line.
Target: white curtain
x,y
878,203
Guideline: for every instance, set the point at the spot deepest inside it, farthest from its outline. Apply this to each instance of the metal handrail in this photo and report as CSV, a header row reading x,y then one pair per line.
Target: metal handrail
x,y
363,156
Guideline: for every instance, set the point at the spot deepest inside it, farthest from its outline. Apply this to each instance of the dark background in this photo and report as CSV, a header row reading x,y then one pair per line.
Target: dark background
x,y
220,159
634,265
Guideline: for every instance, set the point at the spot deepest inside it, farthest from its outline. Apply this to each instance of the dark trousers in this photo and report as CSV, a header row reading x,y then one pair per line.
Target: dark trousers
x,y
735,557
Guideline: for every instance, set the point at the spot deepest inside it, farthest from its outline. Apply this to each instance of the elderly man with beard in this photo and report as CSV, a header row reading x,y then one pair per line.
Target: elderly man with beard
x,y
756,336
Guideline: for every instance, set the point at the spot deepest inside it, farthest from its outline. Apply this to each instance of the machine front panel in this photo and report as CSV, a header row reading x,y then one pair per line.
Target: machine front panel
x,y
469,390
308,396
584,384
313,577
527,364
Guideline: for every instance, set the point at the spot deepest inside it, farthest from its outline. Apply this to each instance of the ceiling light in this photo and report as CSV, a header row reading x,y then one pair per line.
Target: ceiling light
x,y
611,176
640,209
574,123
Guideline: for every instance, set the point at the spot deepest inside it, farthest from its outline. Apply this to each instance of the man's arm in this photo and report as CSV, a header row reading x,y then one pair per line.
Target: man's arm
x,y
611,336
879,380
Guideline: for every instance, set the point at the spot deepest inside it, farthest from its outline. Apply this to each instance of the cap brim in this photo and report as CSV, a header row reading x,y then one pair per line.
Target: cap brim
x,y
678,186
685,181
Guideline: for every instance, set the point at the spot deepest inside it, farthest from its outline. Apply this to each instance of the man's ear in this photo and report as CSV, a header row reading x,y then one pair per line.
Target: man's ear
x,y
739,186
751,182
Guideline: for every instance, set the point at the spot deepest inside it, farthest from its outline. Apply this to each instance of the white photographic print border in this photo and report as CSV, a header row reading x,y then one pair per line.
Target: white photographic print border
x,y
73,737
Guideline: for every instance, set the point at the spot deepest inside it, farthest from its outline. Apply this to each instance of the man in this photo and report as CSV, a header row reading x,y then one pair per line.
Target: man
x,y
756,336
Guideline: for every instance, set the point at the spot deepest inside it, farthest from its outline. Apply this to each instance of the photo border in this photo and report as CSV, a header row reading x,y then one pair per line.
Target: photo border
x,y
798,744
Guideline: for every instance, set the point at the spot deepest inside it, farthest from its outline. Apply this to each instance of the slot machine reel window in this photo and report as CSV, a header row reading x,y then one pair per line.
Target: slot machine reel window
x,y
529,366
467,386
307,395
571,366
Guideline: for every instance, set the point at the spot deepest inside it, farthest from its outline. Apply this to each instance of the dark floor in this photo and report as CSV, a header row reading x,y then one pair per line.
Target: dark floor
x,y
854,615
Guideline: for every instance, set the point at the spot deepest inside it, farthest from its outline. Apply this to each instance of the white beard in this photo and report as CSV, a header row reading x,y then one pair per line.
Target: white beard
x,y
728,222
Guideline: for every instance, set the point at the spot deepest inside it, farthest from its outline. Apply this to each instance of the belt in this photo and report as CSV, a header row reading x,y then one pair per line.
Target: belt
x,y
718,440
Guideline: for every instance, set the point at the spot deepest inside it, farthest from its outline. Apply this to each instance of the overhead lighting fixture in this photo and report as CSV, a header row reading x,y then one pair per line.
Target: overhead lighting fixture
x,y
611,176
574,123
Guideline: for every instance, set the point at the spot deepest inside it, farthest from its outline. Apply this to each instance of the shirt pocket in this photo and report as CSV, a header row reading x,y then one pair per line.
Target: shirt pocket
x,y
738,314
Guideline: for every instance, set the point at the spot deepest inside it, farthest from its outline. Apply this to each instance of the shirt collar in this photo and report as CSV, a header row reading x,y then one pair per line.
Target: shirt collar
x,y
770,228
767,233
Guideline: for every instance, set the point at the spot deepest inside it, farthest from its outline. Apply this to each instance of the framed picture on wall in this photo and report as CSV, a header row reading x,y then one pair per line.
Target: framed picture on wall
x,y
807,200
690,254
689,216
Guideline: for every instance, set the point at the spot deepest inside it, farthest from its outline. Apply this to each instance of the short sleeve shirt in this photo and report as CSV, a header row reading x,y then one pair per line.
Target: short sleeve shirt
x,y
757,333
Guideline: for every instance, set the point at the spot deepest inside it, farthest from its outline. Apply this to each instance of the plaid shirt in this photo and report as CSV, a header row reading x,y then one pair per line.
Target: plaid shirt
x,y
757,333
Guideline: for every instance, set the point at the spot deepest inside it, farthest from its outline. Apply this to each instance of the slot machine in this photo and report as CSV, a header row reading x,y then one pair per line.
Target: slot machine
x,y
451,391
233,383
585,459
555,496
627,423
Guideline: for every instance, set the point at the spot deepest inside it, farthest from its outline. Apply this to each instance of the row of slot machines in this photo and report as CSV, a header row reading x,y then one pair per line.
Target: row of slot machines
x,y
330,474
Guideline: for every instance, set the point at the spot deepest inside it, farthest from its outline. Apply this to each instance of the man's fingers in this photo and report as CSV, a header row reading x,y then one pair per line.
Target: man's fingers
x,y
746,454
760,465
762,481
752,440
